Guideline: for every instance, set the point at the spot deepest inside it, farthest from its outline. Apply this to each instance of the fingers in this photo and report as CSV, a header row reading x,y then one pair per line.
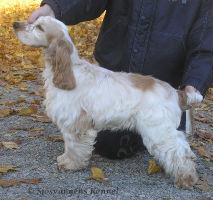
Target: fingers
x,y
34,16
193,96
190,89
45,10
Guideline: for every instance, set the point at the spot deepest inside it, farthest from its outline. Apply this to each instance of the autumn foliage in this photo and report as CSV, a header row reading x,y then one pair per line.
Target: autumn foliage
x,y
20,64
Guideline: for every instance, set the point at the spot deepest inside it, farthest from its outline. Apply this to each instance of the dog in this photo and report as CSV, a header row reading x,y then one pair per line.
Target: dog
x,y
83,99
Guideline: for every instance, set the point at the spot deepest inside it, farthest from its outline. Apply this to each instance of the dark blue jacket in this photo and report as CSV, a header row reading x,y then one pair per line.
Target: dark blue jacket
x,y
171,40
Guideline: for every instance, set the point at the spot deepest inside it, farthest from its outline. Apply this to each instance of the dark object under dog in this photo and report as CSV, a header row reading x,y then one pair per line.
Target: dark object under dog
x,y
118,145
123,144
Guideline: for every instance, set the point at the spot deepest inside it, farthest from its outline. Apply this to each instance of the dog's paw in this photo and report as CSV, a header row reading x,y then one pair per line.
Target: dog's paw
x,y
186,182
65,163
193,98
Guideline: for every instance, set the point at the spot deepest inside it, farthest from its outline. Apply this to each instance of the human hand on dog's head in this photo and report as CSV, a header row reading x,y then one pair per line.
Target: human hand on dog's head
x,y
44,10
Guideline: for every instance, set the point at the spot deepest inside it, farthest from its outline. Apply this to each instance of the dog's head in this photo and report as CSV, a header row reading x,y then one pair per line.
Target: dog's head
x,y
41,33
60,51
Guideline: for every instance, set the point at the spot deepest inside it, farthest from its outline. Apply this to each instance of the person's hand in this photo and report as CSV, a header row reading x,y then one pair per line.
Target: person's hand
x,y
194,96
45,10
190,89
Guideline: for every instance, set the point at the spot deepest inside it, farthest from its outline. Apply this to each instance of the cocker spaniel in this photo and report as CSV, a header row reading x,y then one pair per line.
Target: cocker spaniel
x,y
83,99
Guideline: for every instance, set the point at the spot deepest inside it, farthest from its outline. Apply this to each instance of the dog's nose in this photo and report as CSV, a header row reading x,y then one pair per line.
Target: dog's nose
x,y
15,25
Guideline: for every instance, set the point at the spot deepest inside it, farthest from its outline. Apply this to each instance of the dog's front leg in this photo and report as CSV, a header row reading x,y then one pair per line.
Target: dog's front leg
x,y
78,150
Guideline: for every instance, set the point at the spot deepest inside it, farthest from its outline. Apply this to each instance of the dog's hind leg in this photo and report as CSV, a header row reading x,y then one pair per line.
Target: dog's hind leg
x,y
171,149
78,150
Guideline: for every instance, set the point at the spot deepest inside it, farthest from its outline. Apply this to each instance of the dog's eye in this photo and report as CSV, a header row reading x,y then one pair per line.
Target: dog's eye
x,y
40,28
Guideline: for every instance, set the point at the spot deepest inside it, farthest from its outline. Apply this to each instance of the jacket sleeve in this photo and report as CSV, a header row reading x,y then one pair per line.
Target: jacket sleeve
x,y
199,55
74,11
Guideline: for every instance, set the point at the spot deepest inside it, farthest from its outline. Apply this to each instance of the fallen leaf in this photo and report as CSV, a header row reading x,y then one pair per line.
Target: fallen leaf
x,y
8,183
204,153
17,141
40,92
43,119
4,112
6,168
196,144
11,145
204,135
153,167
19,128
22,96
98,175
31,181
37,129
19,102
54,138
28,111
202,118
35,135
203,106
22,87
36,101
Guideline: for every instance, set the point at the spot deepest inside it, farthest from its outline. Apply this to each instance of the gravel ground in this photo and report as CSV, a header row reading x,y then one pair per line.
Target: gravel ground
x,y
37,159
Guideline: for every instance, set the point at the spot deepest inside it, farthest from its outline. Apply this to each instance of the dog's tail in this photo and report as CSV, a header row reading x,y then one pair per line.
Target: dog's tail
x,y
187,100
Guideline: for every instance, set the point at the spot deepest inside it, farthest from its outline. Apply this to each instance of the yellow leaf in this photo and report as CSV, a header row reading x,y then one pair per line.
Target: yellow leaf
x,y
27,66
28,111
9,183
22,96
6,168
37,129
54,138
35,135
204,106
153,167
4,112
98,175
11,145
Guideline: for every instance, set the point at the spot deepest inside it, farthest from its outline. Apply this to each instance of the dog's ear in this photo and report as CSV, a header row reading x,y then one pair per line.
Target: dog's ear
x,y
62,67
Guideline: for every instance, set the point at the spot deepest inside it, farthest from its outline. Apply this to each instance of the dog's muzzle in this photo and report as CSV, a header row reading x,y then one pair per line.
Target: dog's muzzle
x,y
15,25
